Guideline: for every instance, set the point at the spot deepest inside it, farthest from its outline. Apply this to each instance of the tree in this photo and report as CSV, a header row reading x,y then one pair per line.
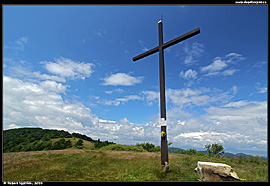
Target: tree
x,y
48,145
68,144
60,144
214,149
84,137
56,146
98,144
45,138
79,144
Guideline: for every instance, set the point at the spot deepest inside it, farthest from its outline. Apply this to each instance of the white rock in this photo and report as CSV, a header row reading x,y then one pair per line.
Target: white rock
x,y
209,171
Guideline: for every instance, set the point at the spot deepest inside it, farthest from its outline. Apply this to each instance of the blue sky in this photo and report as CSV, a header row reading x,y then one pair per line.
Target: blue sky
x,y
71,68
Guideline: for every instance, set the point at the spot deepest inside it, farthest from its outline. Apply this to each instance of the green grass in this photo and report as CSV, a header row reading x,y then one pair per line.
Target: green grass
x,y
107,165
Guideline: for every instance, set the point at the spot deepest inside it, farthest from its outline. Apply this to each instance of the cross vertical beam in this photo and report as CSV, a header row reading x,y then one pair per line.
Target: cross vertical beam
x,y
164,144
161,72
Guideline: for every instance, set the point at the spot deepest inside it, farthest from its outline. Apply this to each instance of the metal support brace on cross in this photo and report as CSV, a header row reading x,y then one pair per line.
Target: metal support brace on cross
x,y
160,48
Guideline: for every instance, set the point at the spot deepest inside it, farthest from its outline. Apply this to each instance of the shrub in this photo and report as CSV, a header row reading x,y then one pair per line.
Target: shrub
x,y
119,147
255,159
191,151
149,147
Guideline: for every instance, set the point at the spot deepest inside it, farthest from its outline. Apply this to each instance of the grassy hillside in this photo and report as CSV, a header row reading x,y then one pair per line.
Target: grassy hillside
x,y
106,165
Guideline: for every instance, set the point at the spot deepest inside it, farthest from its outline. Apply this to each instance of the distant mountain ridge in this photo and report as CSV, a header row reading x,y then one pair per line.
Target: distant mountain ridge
x,y
226,154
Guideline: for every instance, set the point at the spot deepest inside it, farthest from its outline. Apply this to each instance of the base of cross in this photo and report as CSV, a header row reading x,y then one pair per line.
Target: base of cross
x,y
165,168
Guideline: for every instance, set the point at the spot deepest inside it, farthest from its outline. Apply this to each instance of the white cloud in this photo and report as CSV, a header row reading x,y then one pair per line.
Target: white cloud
x,y
241,111
19,44
67,68
229,72
118,90
108,91
236,104
192,52
106,121
189,74
233,57
121,79
185,97
53,86
12,126
262,90
144,49
240,125
234,89
176,112
40,104
151,96
20,69
47,77
180,98
118,101
259,64
125,132
220,63
215,66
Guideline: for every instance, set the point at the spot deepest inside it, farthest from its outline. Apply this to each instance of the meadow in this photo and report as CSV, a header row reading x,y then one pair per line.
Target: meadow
x,y
108,165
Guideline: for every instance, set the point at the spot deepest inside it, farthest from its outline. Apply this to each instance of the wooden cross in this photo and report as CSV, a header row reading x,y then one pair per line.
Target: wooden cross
x,y
160,48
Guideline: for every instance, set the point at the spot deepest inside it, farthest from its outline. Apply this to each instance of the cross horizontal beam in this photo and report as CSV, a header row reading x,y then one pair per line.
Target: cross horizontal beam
x,y
168,44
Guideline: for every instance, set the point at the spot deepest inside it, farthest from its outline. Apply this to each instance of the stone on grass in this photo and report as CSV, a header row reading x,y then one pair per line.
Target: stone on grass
x,y
209,171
